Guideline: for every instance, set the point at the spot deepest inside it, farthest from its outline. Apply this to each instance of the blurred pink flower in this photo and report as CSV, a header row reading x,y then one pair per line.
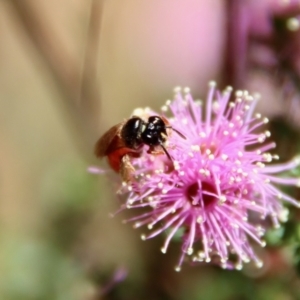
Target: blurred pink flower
x,y
220,185
263,47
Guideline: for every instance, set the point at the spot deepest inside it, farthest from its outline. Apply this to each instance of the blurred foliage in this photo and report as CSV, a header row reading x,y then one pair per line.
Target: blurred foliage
x,y
35,270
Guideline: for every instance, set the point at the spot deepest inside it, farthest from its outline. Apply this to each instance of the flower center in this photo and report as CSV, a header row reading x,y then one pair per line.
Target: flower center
x,y
202,196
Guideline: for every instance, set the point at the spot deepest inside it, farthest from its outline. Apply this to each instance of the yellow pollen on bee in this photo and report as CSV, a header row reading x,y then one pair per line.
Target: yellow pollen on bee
x,y
140,112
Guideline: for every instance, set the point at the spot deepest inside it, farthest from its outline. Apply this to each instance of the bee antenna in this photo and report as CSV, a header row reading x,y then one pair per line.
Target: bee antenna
x,y
177,131
165,150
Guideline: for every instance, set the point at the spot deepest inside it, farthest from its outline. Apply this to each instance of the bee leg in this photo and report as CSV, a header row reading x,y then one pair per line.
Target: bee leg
x,y
159,151
155,151
126,169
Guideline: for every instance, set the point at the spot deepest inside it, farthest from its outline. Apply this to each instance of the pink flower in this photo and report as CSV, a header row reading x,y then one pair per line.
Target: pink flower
x,y
220,186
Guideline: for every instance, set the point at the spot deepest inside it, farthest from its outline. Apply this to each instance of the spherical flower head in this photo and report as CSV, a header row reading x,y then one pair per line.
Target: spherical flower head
x,y
219,185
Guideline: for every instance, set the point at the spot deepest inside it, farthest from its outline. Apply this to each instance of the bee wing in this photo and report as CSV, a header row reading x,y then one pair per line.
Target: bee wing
x,y
109,139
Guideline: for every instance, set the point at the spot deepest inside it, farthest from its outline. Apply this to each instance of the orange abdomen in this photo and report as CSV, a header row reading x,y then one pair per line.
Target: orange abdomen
x,y
115,157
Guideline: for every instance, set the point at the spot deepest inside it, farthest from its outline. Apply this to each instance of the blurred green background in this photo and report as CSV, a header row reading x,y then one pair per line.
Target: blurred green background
x,y
68,70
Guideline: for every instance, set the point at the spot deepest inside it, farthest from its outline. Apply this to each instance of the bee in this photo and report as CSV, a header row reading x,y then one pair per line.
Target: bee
x,y
126,140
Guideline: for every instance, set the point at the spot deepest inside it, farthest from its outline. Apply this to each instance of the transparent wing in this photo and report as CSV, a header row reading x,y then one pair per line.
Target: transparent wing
x,y
109,140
